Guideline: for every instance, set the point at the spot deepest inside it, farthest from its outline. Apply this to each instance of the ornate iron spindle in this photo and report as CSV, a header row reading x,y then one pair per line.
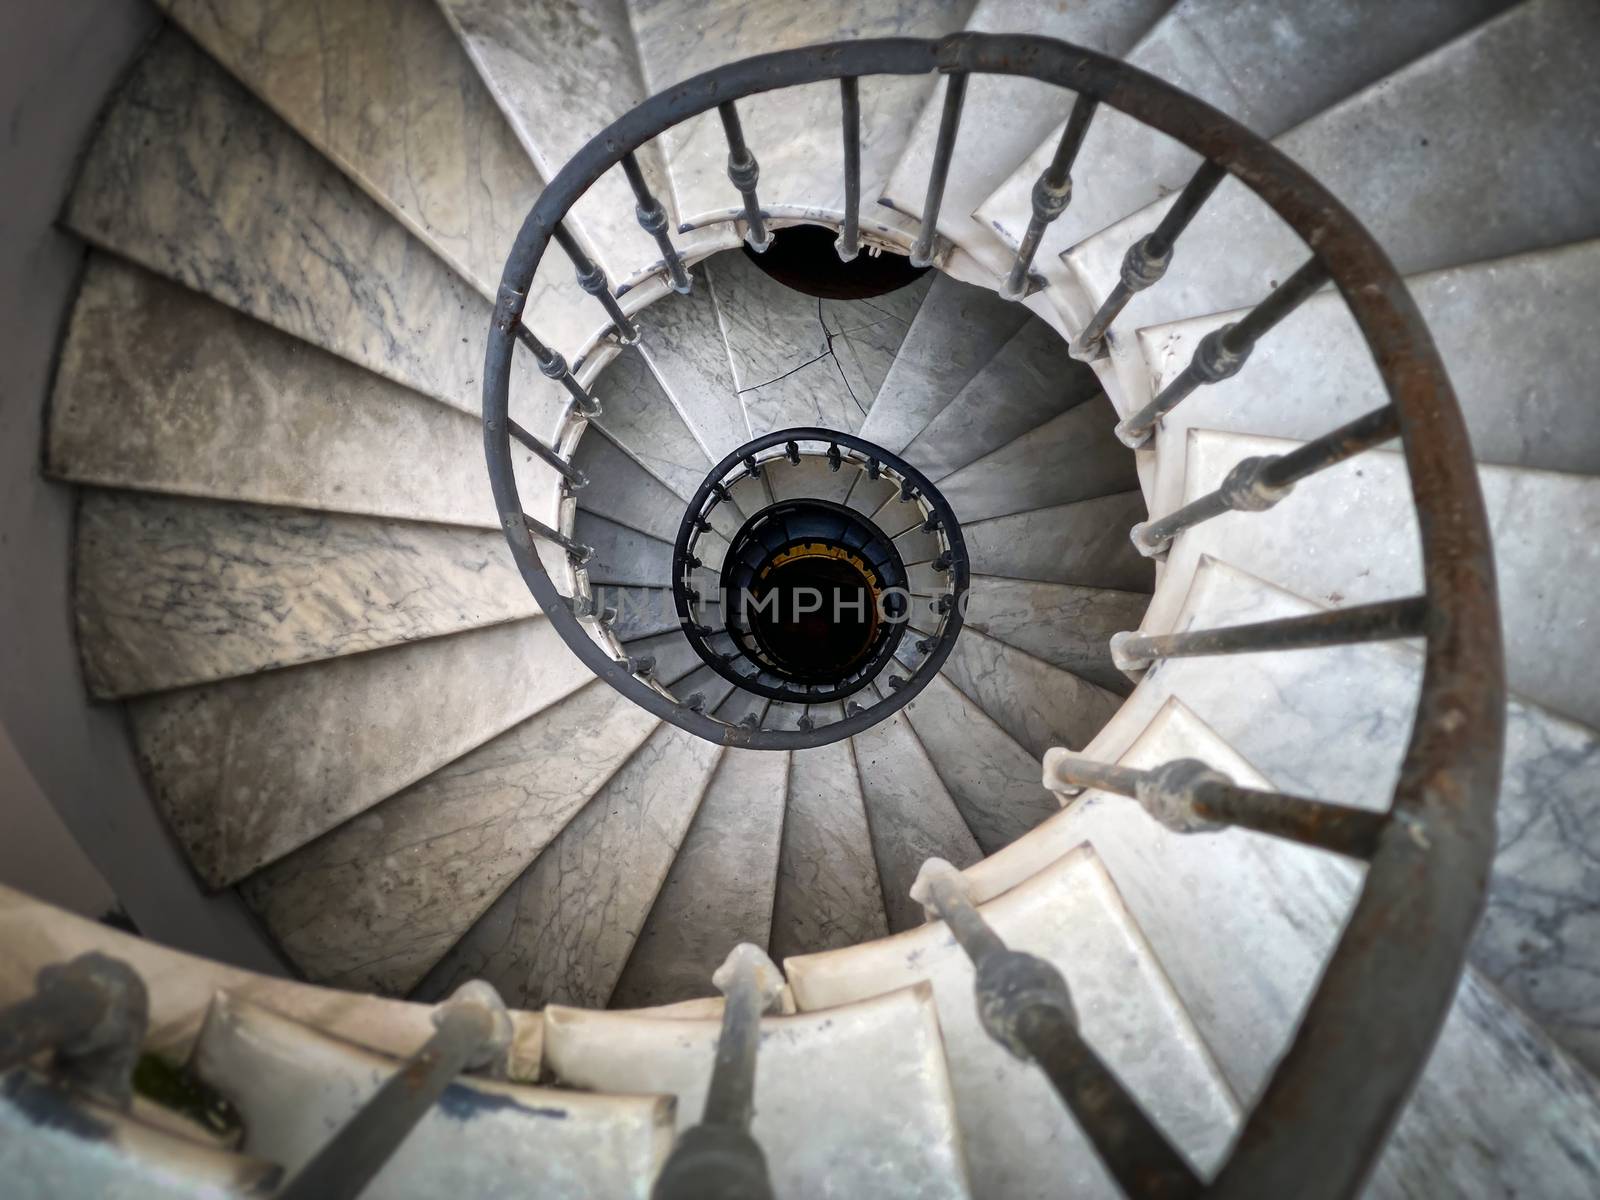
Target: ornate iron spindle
x,y
553,365
652,216
1256,484
472,1031
955,92
849,240
1222,352
743,173
1025,1005
1187,796
718,1158
593,280
544,453
576,550
91,1013
1147,259
1052,192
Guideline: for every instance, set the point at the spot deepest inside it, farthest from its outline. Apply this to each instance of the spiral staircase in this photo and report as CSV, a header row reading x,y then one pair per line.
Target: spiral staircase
x,y
439,735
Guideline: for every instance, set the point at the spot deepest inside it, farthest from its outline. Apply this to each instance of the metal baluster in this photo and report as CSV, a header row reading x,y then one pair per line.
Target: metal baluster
x,y
849,240
472,1031
1052,191
1147,259
718,1159
544,453
1187,796
955,91
593,280
653,220
576,551
553,365
1256,484
1222,352
1024,1004
92,1013
743,172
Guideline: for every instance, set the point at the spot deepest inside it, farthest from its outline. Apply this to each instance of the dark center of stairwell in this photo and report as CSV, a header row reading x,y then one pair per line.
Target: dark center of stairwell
x,y
803,257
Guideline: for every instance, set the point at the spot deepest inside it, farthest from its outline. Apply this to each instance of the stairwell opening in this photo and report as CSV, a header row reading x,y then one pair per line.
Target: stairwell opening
x,y
804,258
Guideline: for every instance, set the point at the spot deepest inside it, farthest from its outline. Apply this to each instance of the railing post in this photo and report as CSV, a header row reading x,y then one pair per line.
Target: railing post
x,y
718,1159
923,250
92,1012
849,240
1051,193
653,220
743,173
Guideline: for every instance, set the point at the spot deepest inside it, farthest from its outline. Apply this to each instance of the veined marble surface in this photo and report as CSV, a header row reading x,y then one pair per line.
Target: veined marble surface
x,y
681,340
637,412
720,888
641,612
1068,626
413,873
910,814
956,332
246,770
828,890
621,490
383,89
1085,544
192,177
993,780
562,931
622,556
674,656
1038,704
811,478
176,592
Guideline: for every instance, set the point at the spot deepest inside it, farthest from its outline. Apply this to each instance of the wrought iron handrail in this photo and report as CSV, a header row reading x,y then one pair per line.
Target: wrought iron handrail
x,y
1320,1122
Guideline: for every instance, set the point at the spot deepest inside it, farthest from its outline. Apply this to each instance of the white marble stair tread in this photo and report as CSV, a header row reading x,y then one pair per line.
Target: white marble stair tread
x,y
711,688
637,413
1038,704
1229,54
858,1093
172,592
956,332
622,490
1067,626
623,557
238,802
865,335
413,872
1527,399
641,611
811,478
828,890
54,1143
910,814
993,780
1428,206
719,891
1075,456
795,132
1361,519
674,656
1342,719
1029,380
869,496
562,931
383,90
682,342
294,1086
160,389
1020,1139
1085,544
1005,116
193,178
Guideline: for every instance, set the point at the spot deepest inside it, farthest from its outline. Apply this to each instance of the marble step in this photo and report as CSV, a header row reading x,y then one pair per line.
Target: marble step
x,y
674,656
160,389
1228,54
623,557
993,780
374,903
1526,399
294,1086
795,132
720,888
1075,456
182,986
174,592
1341,722
1067,626
641,612
1038,704
1360,519
1020,1139
955,334
828,890
1084,544
54,1143
682,343
638,415
869,496
812,478
1005,116
562,931
193,178
859,1092
910,814
383,90
711,688
246,770
1427,206
621,490
1030,379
